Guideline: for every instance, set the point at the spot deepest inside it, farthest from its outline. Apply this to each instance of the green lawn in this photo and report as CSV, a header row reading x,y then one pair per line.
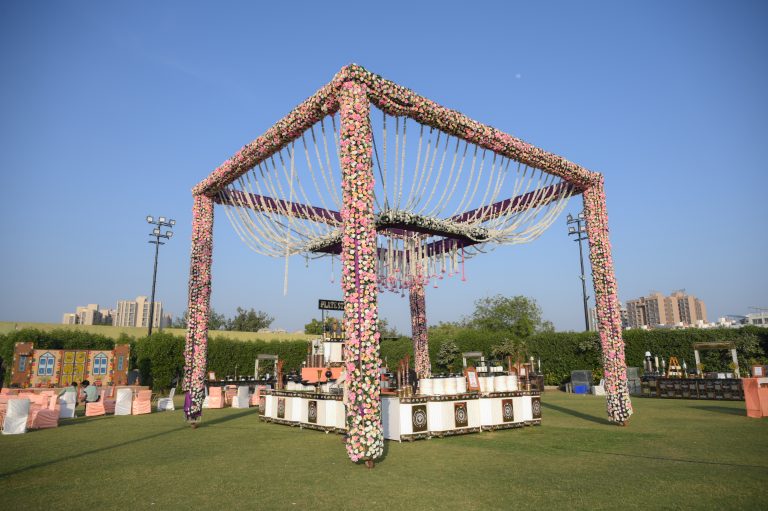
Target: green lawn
x,y
674,454
115,331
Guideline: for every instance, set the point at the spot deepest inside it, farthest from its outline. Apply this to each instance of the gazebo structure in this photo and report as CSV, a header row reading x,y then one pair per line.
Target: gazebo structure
x,y
409,213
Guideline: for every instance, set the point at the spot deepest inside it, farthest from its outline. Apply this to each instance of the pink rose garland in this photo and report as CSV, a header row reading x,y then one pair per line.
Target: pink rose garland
x,y
365,439
607,304
196,348
419,333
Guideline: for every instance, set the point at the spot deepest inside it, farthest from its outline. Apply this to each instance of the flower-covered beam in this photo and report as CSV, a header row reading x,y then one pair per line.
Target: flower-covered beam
x,y
394,100
397,100
607,304
282,133
196,348
419,334
365,438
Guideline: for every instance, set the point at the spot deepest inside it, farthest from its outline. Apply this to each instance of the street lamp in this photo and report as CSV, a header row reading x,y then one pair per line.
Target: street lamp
x,y
580,231
157,234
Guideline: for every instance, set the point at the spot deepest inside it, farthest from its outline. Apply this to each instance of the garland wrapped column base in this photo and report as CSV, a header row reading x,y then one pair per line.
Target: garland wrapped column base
x,y
419,331
196,348
607,304
365,438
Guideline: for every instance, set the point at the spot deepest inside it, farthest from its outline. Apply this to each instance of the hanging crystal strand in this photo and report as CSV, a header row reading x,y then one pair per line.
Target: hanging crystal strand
x,y
444,260
285,278
333,274
463,276
388,262
452,261
403,268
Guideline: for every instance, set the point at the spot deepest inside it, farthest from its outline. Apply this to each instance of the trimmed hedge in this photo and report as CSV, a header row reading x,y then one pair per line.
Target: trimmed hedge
x,y
160,357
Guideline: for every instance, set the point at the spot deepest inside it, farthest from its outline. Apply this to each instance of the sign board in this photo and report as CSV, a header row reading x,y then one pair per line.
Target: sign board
x,y
331,305
472,382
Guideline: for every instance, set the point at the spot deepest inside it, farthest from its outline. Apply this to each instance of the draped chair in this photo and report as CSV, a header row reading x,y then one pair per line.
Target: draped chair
x,y
142,403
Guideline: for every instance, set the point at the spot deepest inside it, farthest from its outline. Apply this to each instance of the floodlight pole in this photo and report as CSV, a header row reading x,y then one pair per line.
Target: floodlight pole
x,y
160,222
580,231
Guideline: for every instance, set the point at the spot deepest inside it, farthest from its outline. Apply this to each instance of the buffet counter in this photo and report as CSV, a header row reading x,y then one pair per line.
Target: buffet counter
x,y
729,389
412,417
311,410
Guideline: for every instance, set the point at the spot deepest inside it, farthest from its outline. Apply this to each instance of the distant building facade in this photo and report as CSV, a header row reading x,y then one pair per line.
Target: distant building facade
x,y
88,315
678,309
136,313
593,317
757,319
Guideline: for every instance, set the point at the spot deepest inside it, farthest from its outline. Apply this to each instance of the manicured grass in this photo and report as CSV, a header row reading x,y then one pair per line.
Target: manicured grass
x,y
675,454
115,331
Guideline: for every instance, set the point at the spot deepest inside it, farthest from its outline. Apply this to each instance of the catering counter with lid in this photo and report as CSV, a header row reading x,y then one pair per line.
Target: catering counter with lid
x,y
305,409
410,417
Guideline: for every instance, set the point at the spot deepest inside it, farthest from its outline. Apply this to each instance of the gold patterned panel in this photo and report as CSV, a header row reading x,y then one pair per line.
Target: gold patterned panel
x,y
73,367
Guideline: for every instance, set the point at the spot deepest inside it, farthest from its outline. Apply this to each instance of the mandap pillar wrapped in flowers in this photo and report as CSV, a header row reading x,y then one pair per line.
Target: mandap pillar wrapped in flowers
x,y
419,333
196,347
607,304
365,438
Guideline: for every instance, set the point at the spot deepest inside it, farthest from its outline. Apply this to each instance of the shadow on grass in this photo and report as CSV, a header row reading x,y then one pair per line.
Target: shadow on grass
x,y
227,418
74,422
677,460
577,414
723,409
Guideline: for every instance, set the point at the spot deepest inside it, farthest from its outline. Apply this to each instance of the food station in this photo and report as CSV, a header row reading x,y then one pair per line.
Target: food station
x,y
673,380
481,398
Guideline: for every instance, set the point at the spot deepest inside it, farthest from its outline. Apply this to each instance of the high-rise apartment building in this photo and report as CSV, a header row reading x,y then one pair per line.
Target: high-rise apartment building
x,y
678,309
136,313
88,315
593,317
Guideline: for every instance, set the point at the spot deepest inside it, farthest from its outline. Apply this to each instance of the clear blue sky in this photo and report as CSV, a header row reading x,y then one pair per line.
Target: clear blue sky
x,y
111,111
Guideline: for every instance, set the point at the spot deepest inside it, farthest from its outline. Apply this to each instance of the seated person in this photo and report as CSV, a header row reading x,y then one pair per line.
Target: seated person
x,y
71,389
91,393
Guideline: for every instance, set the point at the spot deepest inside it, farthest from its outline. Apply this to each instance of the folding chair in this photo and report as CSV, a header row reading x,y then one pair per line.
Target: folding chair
x,y
96,408
47,416
67,405
142,403
123,402
241,399
165,404
16,417
215,398
230,393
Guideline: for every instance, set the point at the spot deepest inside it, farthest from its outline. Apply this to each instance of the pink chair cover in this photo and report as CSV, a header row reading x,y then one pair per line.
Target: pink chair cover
x,y
256,395
98,407
230,393
142,403
215,398
46,417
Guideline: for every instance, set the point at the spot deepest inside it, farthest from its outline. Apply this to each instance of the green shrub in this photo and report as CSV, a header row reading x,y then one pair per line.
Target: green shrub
x,y
161,356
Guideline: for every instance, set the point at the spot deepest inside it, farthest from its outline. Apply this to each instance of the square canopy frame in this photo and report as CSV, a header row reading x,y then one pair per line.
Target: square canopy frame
x,y
351,93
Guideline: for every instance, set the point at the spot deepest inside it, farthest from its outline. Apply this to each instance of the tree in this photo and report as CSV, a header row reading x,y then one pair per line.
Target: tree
x,y
519,315
216,321
249,321
314,327
385,331
513,347
447,355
